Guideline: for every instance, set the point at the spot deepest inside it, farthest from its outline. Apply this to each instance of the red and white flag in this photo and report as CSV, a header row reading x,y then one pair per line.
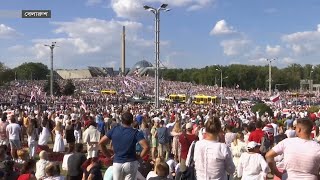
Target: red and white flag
x,y
83,105
275,98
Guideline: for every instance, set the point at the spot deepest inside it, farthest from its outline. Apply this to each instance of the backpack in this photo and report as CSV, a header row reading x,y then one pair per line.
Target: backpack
x,y
265,144
162,137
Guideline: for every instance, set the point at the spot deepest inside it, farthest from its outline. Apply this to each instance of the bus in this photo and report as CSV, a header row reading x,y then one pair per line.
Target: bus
x,y
203,99
109,92
177,98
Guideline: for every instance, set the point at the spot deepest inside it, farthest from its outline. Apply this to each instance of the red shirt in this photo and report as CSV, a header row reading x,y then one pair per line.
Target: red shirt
x,y
256,135
185,143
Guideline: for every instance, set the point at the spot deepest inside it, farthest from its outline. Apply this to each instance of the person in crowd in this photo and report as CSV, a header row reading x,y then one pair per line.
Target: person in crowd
x,y
162,170
257,134
22,157
163,140
69,134
41,165
92,171
124,139
251,164
66,156
53,172
27,171
32,138
154,172
217,156
238,147
300,163
91,136
44,134
154,137
176,132
74,163
185,139
3,133
58,145
77,129
9,172
14,133
229,135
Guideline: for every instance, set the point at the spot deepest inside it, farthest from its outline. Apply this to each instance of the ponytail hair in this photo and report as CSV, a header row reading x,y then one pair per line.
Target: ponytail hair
x,y
213,126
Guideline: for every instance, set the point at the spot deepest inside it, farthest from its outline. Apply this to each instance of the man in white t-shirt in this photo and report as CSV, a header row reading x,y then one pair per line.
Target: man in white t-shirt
x,y
14,133
299,163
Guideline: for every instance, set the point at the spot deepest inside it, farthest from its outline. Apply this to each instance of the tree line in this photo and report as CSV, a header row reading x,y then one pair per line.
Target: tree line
x,y
245,77
34,71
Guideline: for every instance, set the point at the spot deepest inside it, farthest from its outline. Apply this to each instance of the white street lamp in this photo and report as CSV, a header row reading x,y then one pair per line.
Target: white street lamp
x,y
221,79
156,12
52,46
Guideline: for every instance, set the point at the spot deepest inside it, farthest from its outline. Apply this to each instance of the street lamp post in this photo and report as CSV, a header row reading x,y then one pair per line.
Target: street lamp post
x,y
270,78
310,85
156,12
52,46
221,79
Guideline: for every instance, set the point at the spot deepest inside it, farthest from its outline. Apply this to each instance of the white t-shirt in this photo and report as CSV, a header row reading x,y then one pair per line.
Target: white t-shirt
x,y
300,163
14,131
252,166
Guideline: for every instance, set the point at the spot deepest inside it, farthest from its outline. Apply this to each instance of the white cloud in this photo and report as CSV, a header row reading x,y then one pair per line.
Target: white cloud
x,y
222,28
234,46
306,43
89,41
132,9
7,32
273,51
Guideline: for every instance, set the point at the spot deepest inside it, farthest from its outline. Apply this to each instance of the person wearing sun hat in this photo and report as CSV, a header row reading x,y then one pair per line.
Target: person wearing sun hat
x,y
251,164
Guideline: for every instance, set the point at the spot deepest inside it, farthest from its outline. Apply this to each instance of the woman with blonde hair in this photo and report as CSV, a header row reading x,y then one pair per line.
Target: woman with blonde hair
x,y
238,146
212,159
176,132
58,145
154,138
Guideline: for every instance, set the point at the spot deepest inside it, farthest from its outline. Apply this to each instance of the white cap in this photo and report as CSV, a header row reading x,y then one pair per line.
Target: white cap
x,y
252,144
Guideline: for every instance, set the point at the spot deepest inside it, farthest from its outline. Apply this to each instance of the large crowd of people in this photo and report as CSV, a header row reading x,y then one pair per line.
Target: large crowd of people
x,y
70,138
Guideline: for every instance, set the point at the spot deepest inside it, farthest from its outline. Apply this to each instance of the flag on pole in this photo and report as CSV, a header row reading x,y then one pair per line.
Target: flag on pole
x,y
83,105
275,98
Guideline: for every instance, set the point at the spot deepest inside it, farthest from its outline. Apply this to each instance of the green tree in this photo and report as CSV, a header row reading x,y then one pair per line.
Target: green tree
x,y
32,71
69,88
6,74
56,88
262,108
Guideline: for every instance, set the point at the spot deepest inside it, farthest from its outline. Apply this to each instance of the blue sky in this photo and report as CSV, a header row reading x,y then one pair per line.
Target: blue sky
x,y
195,33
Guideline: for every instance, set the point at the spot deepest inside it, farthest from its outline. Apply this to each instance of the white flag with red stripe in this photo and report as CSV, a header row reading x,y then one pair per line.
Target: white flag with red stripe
x,y
275,98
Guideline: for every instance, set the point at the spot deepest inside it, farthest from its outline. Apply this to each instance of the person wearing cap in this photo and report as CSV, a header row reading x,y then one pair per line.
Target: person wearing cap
x,y
299,163
252,164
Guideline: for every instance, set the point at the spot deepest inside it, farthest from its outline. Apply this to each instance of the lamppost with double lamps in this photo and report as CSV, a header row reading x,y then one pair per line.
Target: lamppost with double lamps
x,y
221,79
52,46
156,12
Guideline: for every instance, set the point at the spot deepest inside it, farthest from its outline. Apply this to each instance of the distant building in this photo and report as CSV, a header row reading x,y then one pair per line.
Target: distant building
x,y
141,68
74,73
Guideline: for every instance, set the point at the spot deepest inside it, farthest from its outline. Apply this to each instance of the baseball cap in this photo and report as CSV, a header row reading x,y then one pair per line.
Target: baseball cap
x,y
252,144
189,126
